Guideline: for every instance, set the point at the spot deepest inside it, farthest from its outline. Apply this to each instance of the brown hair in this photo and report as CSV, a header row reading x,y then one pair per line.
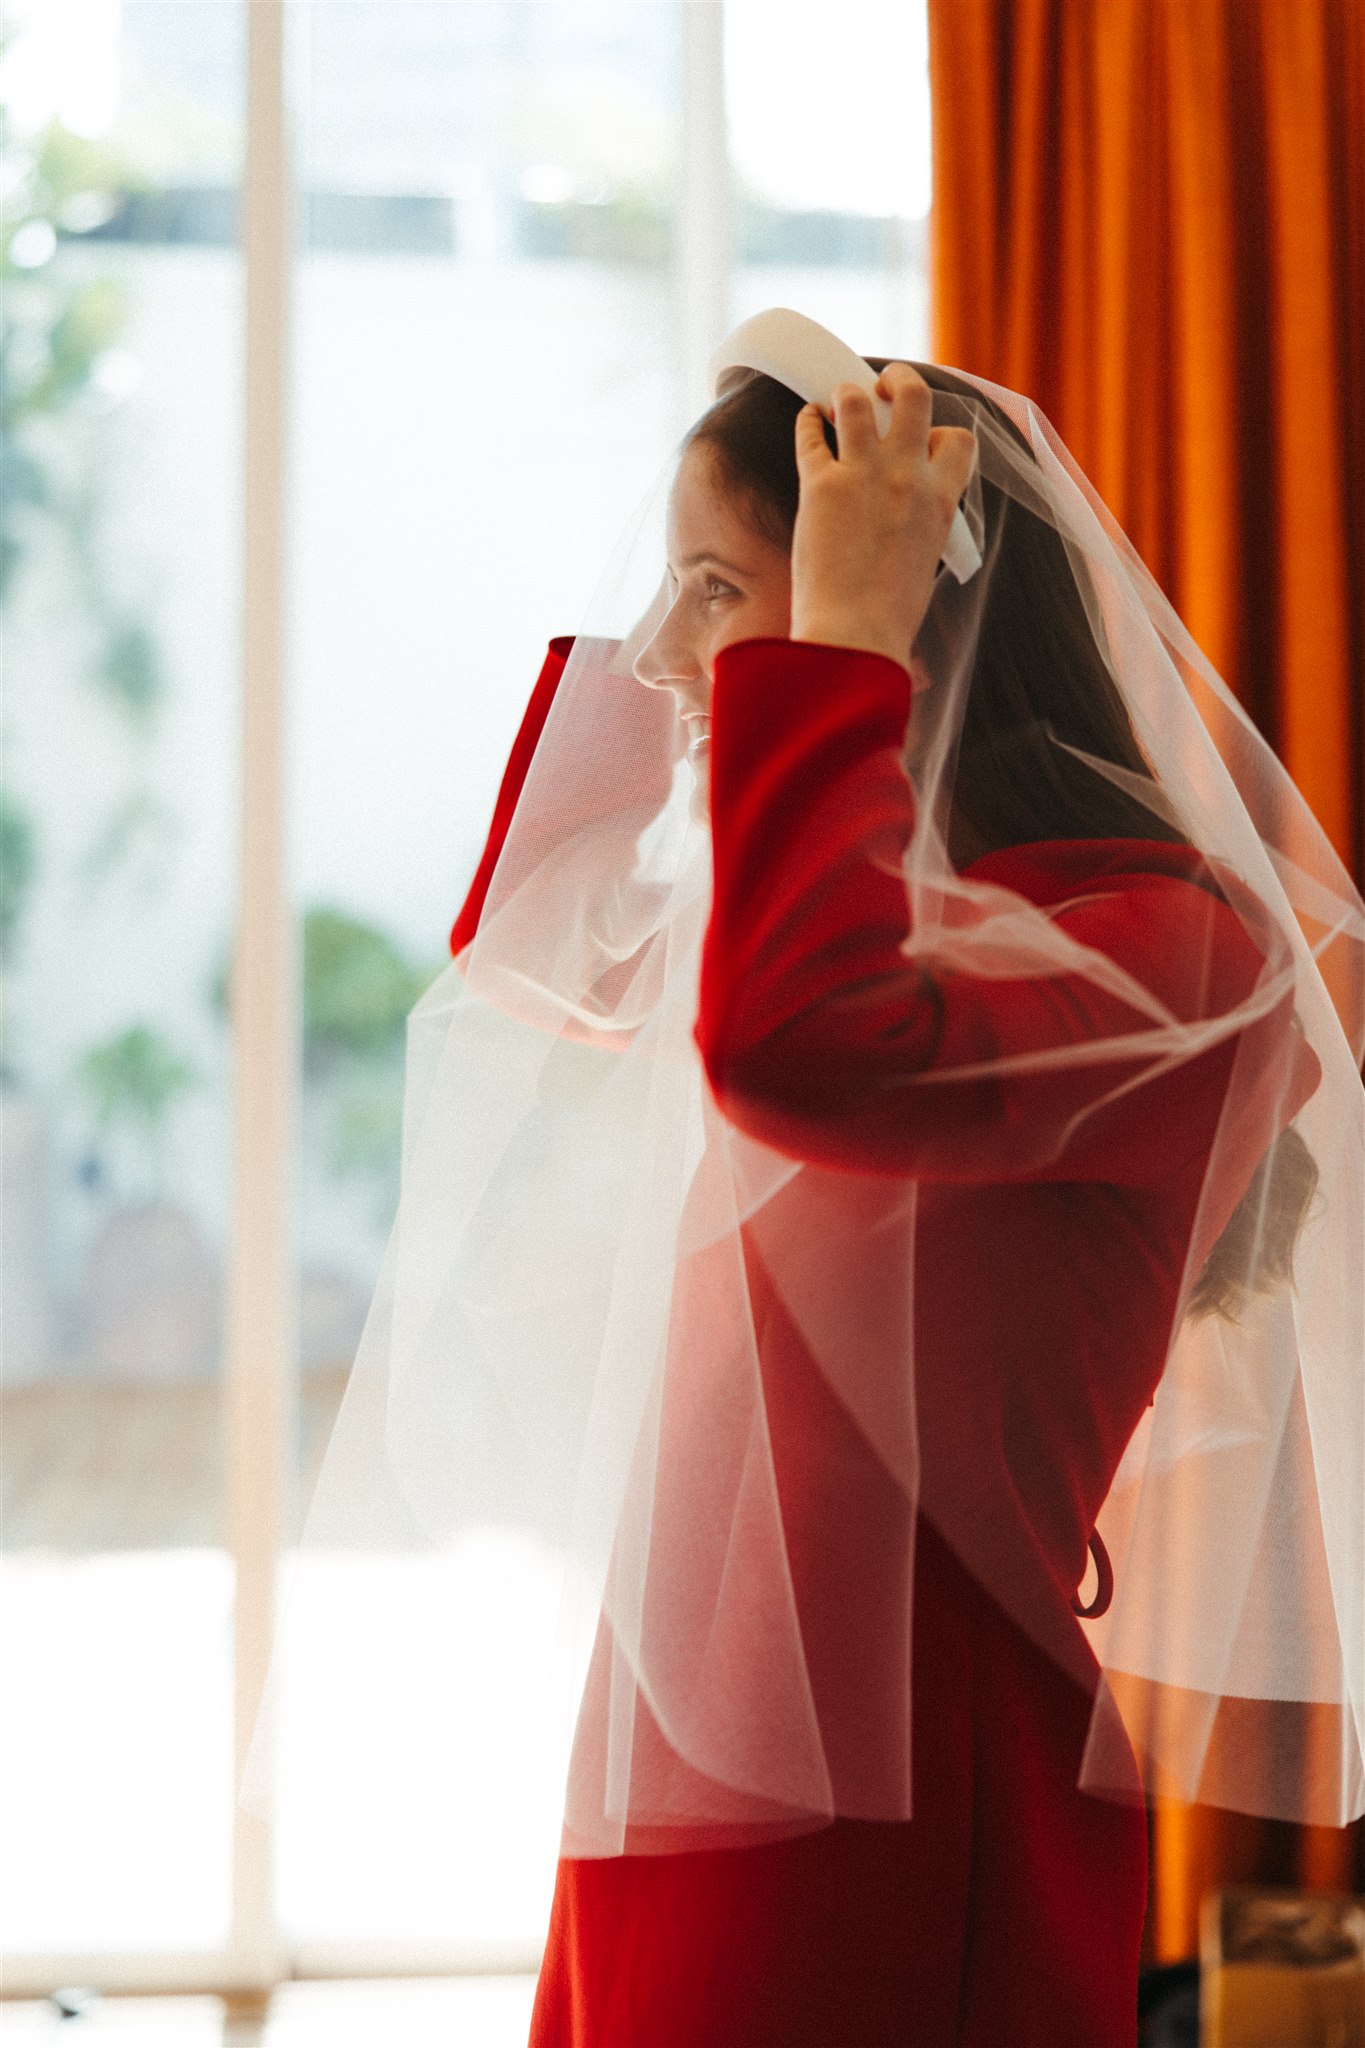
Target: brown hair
x,y
1038,677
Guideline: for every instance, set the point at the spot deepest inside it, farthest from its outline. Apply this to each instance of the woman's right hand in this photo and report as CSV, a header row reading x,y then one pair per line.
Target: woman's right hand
x,y
872,523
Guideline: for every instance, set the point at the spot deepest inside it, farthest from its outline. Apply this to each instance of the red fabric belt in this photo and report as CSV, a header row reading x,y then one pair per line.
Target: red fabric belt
x,y
1104,1591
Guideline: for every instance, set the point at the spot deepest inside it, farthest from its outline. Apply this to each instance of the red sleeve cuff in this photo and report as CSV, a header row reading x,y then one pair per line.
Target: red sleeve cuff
x,y
514,775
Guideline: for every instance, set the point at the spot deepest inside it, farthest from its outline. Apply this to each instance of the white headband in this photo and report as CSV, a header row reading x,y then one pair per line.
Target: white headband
x,y
810,360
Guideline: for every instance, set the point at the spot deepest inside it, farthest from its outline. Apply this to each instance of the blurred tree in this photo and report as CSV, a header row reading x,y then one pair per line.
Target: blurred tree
x,y
56,338
357,990
16,869
17,862
358,987
132,1081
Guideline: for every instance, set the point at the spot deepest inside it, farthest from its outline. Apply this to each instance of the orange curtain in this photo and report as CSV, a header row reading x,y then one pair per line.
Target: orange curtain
x,y
1150,215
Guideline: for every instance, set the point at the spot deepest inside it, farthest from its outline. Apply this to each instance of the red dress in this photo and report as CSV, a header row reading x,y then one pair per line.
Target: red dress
x,y
1009,1909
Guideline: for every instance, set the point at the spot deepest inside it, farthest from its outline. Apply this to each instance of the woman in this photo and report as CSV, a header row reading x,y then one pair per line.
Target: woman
x,y
1054,1218
880,1219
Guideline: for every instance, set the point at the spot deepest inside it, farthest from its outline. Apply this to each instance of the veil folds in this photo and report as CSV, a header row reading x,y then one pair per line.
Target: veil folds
x,y
769,1186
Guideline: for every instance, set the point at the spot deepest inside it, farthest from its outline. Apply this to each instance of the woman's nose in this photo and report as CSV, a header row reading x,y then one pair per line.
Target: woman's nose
x,y
646,668
664,664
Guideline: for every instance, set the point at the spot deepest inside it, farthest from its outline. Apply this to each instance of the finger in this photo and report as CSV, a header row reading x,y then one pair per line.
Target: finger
x,y
812,449
854,421
891,375
952,453
912,410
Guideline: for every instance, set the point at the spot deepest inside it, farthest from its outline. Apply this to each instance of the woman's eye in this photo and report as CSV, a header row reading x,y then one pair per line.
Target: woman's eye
x,y
714,587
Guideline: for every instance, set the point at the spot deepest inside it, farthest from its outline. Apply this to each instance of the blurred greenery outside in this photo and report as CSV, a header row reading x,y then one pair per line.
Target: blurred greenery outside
x,y
603,190
357,986
56,338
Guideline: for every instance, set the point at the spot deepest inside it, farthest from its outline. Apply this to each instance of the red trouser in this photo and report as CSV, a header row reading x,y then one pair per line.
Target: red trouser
x,y
1007,1914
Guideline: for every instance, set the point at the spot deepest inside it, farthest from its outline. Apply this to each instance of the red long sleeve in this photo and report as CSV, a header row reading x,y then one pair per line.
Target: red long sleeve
x,y
514,775
820,1038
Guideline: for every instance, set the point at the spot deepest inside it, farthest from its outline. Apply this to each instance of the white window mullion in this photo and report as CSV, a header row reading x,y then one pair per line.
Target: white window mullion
x,y
705,243
261,1310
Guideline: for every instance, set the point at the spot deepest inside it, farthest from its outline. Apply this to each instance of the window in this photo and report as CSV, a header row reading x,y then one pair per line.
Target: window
x,y
518,231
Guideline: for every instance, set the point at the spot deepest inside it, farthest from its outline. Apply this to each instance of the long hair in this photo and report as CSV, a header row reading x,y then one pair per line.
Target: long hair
x,y
1038,677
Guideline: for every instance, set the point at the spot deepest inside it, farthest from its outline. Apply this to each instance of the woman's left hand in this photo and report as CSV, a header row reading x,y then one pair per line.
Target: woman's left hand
x,y
872,522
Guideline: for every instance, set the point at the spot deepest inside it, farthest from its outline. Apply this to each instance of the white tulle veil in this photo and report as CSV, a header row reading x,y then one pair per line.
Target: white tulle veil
x,y
563,1354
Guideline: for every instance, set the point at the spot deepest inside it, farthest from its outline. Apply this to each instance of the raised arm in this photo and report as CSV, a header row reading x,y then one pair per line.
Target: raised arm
x,y
822,1039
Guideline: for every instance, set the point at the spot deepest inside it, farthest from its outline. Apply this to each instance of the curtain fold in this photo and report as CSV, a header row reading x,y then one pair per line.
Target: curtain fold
x,y
1150,214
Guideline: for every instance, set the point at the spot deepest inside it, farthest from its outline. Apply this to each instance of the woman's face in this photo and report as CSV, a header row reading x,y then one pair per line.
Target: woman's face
x,y
726,582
